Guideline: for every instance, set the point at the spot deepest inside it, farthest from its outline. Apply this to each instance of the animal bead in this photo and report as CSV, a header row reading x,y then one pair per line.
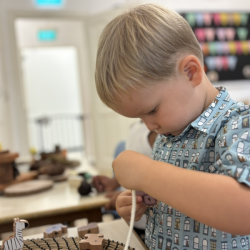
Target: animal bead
x,y
15,241
54,231
91,228
92,242
147,199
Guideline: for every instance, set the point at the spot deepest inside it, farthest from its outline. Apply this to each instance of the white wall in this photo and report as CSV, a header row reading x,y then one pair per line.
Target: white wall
x,y
4,114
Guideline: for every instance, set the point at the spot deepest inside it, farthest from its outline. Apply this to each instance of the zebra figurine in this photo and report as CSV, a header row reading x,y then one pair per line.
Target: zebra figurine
x,y
15,241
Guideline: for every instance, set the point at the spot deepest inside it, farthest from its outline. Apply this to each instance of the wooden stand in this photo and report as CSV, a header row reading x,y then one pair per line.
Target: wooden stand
x,y
7,166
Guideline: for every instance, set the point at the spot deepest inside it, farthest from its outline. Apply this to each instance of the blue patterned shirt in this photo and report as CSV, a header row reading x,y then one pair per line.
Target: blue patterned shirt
x,y
217,142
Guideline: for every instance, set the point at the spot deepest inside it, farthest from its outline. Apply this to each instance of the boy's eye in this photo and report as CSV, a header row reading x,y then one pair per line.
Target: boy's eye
x,y
153,111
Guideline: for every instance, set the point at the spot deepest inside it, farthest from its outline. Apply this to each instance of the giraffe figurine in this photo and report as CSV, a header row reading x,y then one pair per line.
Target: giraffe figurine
x,y
15,242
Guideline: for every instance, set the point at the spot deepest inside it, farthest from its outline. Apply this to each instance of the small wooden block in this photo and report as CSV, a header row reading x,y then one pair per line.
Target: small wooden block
x,y
147,199
91,228
56,230
92,242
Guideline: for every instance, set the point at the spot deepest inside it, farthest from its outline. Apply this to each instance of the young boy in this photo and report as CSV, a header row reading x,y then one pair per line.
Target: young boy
x,y
150,65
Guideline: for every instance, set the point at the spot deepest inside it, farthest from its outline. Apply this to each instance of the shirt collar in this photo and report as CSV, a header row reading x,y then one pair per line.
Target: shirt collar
x,y
208,118
216,109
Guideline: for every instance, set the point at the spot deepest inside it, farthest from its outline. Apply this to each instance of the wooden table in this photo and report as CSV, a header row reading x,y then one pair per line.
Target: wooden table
x,y
116,230
60,204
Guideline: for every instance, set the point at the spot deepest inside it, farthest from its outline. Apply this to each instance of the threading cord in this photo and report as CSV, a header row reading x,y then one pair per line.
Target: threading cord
x,y
132,219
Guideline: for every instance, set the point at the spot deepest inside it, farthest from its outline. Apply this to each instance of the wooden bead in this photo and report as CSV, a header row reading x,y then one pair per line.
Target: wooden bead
x,y
92,242
147,199
56,230
90,228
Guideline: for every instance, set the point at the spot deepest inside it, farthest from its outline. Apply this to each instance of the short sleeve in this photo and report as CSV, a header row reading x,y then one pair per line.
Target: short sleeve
x,y
232,148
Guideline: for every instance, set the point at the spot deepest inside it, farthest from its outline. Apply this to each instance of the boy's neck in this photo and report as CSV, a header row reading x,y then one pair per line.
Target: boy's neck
x,y
211,93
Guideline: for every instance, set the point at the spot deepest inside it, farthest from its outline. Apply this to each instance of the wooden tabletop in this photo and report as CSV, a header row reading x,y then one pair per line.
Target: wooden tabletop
x,y
60,199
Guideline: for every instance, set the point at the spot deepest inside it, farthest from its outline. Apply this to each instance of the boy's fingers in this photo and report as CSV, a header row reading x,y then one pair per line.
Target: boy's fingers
x,y
127,200
139,199
140,208
124,201
125,212
129,193
126,193
140,212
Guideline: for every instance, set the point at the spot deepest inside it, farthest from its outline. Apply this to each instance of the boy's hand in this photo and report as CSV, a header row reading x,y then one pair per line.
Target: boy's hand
x,y
132,169
105,184
124,206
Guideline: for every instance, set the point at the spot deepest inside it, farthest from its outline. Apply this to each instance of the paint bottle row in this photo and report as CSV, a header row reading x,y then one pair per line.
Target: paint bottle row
x,y
221,34
218,19
226,48
219,63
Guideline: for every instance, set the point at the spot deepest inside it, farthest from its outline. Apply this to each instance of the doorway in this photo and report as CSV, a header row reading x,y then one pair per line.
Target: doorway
x,y
52,95
50,52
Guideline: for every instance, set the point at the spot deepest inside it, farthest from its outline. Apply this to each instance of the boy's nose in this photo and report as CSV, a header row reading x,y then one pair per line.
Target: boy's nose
x,y
152,126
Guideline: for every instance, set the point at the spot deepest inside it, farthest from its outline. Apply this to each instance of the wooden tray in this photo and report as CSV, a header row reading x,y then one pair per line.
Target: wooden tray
x,y
28,187
20,178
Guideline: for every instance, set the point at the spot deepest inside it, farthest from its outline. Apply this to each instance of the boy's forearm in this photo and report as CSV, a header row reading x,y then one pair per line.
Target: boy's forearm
x,y
215,200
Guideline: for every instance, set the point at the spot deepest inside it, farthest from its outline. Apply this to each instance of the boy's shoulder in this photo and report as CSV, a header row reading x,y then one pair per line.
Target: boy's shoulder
x,y
235,120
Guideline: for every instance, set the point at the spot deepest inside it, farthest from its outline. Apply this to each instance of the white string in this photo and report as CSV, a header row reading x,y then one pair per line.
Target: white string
x,y
132,219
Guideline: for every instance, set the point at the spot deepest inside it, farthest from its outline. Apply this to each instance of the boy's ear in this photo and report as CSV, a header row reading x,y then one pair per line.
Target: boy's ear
x,y
191,68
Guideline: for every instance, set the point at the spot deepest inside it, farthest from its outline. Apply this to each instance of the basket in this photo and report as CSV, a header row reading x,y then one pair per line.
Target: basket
x,y
62,243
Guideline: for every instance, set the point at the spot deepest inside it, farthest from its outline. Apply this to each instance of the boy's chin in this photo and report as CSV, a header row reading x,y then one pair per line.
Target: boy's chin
x,y
166,134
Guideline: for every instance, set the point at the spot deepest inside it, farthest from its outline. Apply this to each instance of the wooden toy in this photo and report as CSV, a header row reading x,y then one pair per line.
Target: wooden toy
x,y
15,241
52,163
90,228
59,156
147,199
92,242
7,160
36,164
52,169
56,230
9,174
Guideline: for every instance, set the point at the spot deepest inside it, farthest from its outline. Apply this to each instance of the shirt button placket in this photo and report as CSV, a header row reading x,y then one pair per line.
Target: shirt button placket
x,y
170,149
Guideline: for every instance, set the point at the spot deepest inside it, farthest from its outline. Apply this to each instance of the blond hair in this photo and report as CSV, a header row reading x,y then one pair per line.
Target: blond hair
x,y
140,47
